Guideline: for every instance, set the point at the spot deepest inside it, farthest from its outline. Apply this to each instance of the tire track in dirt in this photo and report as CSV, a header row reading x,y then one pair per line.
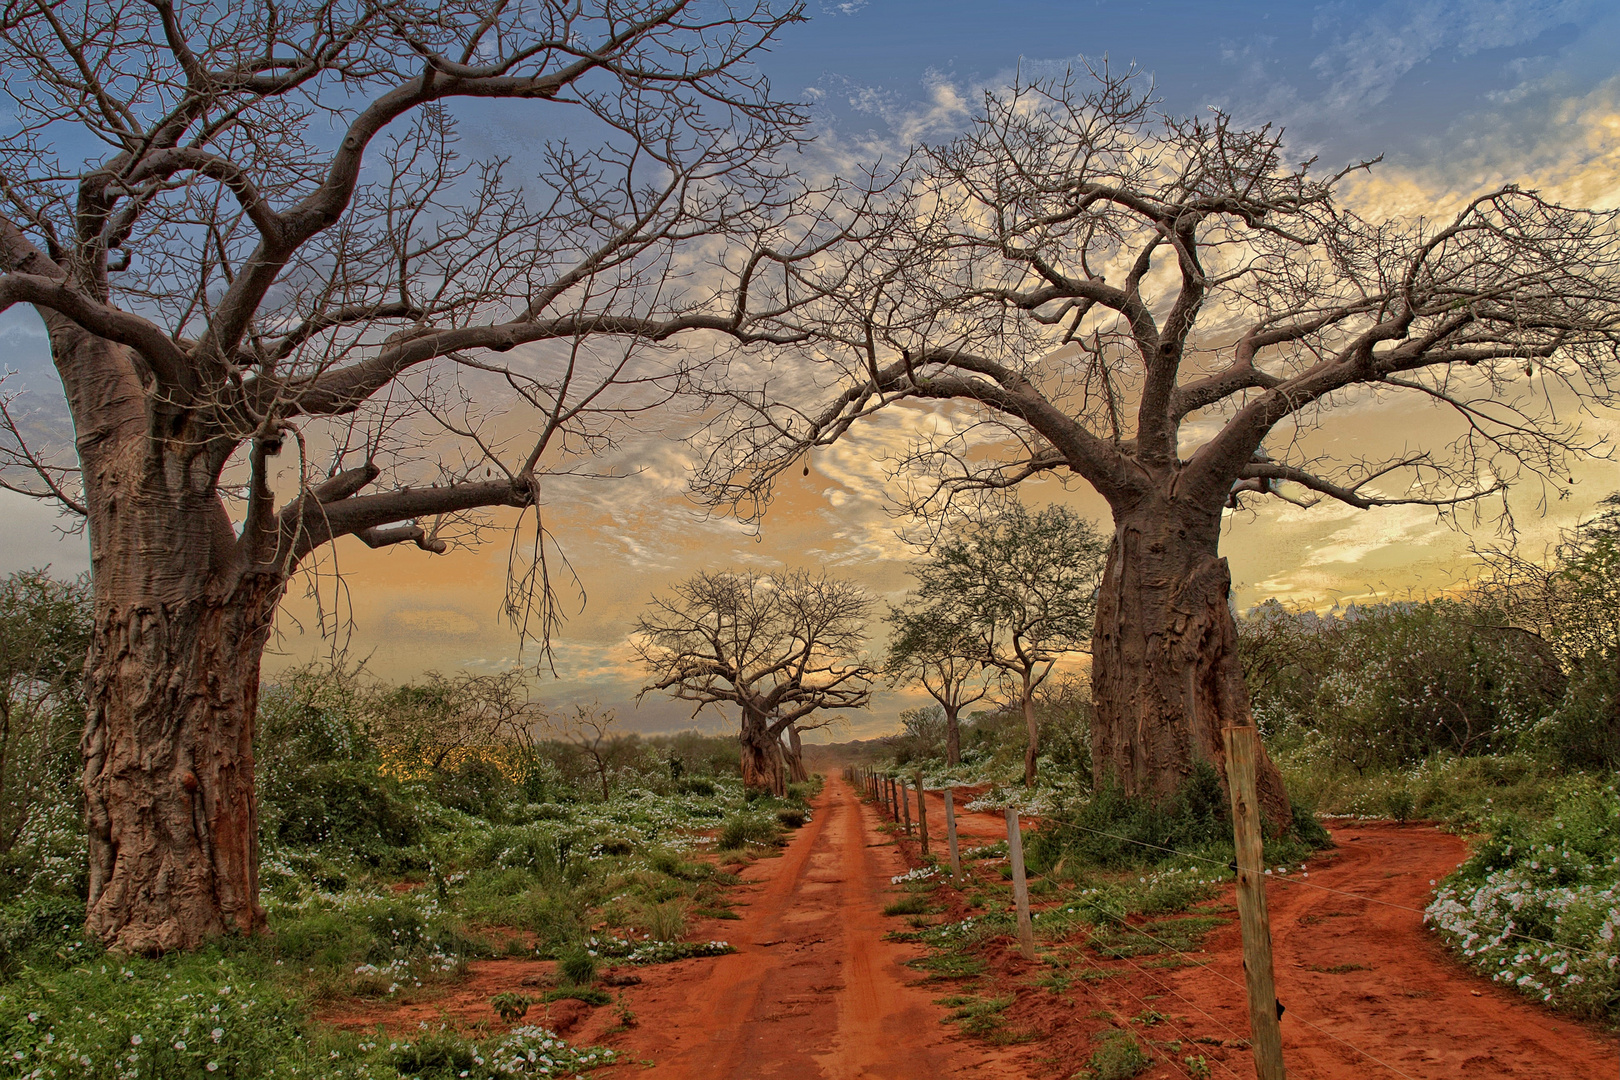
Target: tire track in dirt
x,y
814,990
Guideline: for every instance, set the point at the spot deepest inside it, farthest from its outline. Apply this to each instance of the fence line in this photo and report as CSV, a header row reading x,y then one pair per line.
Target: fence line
x,y
1221,975
1285,879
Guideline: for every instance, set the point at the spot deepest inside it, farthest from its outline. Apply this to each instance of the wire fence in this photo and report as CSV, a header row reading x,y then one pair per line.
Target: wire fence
x,y
1203,963
1287,879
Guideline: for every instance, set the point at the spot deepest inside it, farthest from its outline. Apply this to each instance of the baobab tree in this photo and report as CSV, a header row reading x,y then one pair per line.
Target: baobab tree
x,y
780,647
1023,586
284,310
1165,309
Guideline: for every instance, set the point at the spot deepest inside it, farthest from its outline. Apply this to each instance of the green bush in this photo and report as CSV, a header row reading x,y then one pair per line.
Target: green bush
x,y
477,786
740,830
577,966
792,817
1584,731
1389,684
346,801
1114,830
1120,1057
41,930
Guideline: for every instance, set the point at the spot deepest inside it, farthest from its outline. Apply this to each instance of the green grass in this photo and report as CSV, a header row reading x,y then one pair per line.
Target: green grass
x,y
1116,939
950,965
914,904
980,1017
1119,1057
740,830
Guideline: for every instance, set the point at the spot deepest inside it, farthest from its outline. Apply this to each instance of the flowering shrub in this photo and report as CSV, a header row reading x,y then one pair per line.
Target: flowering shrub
x,y
656,952
115,1020
524,1051
921,873
1029,802
1538,905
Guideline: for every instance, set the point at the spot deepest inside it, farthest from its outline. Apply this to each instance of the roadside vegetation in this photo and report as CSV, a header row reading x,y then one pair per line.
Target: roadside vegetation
x,y
406,832
1495,713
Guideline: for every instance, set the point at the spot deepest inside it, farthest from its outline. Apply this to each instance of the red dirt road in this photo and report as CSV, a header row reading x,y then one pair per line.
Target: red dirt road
x,y
814,990
1362,979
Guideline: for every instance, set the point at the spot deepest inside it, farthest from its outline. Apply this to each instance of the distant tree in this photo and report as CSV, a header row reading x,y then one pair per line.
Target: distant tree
x,y
922,733
44,635
436,722
780,647
284,310
1165,309
1025,586
1569,601
935,646
589,728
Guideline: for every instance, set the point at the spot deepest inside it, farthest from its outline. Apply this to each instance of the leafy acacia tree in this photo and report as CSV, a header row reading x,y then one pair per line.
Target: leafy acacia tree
x,y
280,305
779,647
1024,585
1163,308
934,644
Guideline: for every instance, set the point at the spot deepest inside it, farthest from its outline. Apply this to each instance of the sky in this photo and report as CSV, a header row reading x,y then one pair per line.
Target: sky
x,y
1456,96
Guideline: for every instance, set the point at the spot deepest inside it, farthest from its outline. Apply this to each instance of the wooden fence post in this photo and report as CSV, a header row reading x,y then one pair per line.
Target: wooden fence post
x,y
922,814
1015,853
950,830
1264,1029
905,801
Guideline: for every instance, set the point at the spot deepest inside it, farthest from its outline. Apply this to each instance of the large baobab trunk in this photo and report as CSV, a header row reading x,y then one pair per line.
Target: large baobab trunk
x,y
761,755
1165,672
172,680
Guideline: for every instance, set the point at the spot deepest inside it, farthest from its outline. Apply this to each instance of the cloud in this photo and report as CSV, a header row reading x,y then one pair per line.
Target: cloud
x,y
1374,48
445,622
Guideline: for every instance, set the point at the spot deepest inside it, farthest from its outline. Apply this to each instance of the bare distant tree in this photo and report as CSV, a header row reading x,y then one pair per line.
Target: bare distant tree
x,y
1163,308
251,237
590,729
779,647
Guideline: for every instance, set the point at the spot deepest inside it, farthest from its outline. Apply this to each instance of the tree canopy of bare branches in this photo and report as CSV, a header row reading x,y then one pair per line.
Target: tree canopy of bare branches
x,y
1163,308
286,307
780,647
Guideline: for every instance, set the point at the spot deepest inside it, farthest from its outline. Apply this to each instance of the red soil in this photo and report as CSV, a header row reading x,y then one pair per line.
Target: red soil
x,y
1367,989
815,991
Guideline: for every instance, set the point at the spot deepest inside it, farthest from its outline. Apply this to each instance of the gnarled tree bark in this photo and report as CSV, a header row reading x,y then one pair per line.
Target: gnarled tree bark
x,y
201,315
1165,671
